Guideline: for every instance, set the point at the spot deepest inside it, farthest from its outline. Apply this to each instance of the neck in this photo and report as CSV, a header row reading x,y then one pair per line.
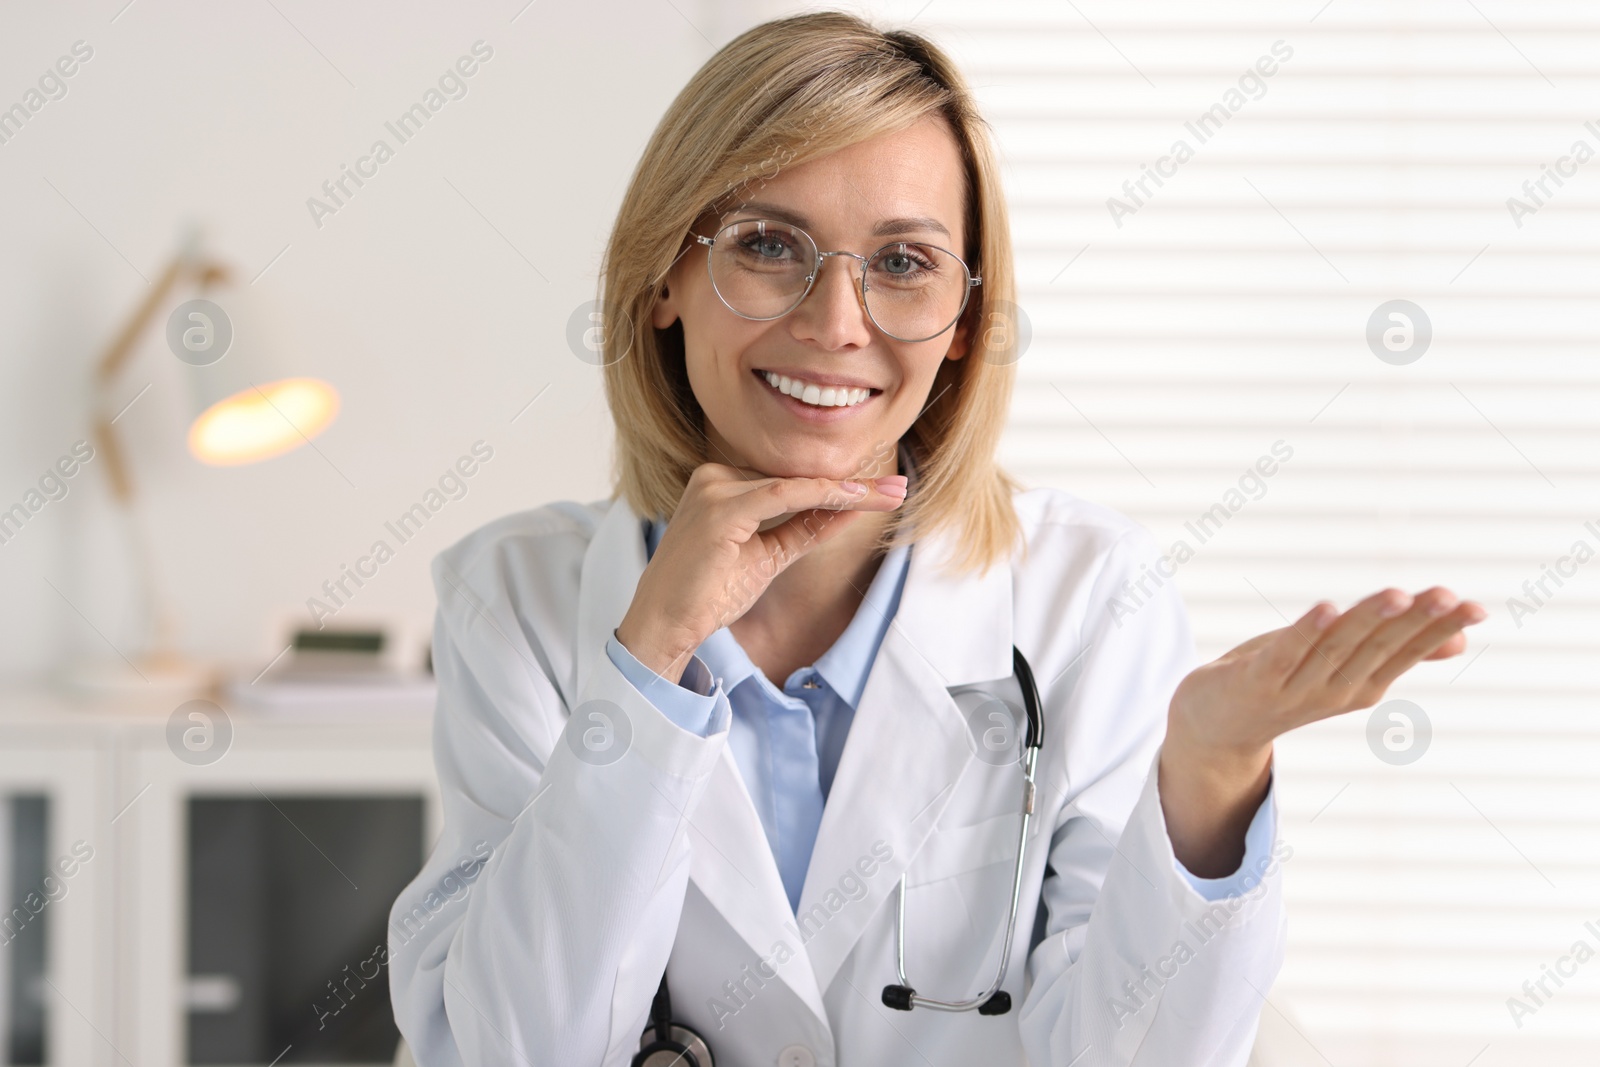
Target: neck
x,y
811,602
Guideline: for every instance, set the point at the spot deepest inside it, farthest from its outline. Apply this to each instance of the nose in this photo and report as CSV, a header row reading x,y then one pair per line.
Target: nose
x,y
833,314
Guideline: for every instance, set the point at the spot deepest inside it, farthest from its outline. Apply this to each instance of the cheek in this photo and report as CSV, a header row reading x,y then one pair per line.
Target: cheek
x,y
712,349
919,369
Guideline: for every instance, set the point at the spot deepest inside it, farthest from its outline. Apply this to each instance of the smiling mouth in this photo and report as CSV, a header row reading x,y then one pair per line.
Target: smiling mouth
x,y
814,393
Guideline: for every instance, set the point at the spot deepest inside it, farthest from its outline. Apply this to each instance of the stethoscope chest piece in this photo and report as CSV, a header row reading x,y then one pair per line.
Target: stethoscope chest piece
x,y
682,1048
666,1043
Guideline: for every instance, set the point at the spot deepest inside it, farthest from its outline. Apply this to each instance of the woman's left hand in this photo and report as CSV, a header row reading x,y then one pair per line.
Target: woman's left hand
x,y
1224,716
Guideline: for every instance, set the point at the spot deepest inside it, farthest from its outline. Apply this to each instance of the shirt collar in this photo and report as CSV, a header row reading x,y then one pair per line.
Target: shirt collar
x,y
846,664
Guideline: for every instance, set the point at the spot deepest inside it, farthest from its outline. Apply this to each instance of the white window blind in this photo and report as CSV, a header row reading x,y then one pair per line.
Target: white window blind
x,y
1229,312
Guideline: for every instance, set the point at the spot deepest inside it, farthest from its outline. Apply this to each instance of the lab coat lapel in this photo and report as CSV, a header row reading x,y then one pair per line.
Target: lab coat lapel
x,y
732,861
908,745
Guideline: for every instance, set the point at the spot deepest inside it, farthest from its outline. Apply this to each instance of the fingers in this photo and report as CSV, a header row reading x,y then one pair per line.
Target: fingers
x,y
1363,651
1290,645
807,530
783,496
1453,646
1321,661
1442,632
1384,641
738,500
815,526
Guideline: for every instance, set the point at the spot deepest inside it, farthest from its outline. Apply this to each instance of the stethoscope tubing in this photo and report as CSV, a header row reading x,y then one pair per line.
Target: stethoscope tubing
x,y
906,998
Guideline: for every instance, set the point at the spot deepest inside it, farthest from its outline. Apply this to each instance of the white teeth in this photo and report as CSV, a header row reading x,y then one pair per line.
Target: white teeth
x,y
819,396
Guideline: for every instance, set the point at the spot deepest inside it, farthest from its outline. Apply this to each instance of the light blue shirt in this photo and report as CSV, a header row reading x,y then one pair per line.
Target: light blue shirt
x,y
787,742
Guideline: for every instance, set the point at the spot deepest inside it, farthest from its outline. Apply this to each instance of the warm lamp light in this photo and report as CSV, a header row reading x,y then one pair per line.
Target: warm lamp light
x,y
262,421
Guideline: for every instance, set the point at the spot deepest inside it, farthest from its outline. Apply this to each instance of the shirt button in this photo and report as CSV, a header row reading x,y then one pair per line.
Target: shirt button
x,y
796,1056
811,683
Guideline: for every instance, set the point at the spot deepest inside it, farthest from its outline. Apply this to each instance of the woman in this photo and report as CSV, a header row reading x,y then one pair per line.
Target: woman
x,y
713,728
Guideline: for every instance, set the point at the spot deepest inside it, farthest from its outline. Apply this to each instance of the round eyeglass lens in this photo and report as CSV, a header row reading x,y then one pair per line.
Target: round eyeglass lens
x,y
915,291
760,268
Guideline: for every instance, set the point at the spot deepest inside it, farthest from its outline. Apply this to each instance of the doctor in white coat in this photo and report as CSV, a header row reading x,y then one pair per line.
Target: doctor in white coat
x,y
709,728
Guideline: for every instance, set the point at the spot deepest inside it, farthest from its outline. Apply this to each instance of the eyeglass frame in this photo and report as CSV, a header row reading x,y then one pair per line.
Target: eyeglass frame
x,y
973,280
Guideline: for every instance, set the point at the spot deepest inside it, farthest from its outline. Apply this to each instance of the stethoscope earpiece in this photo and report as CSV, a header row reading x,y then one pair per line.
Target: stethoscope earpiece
x,y
998,1004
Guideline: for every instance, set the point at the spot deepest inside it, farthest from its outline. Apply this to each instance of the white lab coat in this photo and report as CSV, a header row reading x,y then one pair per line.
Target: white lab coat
x,y
559,889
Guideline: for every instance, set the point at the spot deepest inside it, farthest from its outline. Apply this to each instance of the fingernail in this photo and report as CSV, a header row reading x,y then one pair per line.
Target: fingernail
x,y
1439,608
893,485
853,488
1325,614
1392,608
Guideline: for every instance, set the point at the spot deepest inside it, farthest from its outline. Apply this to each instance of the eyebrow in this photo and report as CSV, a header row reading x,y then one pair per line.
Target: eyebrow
x,y
885,228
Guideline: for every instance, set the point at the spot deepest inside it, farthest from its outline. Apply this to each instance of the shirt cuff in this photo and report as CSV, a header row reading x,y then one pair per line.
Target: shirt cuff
x,y
689,703
1257,845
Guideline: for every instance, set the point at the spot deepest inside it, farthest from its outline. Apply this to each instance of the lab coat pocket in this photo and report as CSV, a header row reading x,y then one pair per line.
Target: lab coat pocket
x,y
955,850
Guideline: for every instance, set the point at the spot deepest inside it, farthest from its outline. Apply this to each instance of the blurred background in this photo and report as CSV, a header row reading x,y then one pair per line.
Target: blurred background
x,y
1308,288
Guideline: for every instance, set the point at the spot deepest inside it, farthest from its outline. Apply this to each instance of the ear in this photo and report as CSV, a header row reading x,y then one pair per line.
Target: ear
x,y
961,339
665,311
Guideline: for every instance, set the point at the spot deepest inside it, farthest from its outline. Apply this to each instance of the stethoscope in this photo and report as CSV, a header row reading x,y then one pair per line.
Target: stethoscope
x,y
666,1043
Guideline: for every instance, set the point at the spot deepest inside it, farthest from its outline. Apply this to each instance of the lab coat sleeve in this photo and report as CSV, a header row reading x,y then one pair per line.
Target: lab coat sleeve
x,y
690,702
540,926
1137,965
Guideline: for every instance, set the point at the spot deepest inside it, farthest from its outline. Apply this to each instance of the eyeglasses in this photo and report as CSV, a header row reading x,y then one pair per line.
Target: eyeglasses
x,y
763,269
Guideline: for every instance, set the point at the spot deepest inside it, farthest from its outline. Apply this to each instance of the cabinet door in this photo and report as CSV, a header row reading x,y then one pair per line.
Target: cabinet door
x,y
57,863
262,890
289,898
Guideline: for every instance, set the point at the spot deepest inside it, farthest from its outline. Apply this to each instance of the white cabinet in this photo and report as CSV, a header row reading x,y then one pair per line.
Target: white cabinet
x,y
117,986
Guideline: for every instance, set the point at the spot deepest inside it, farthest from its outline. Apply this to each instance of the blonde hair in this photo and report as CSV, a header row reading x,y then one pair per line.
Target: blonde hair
x,y
782,93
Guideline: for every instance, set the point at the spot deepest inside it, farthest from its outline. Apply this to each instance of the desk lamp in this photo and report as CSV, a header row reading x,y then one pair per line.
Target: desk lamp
x,y
239,413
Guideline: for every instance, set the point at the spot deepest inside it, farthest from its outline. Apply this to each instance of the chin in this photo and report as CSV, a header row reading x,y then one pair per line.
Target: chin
x,y
816,459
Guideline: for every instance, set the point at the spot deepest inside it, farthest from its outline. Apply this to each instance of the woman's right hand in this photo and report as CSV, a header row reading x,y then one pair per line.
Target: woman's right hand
x,y
714,560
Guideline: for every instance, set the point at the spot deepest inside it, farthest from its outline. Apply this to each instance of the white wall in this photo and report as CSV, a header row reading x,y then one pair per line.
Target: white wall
x,y
434,328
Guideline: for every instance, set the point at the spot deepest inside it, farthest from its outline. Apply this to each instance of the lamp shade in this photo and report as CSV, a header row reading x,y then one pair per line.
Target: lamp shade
x,y
247,404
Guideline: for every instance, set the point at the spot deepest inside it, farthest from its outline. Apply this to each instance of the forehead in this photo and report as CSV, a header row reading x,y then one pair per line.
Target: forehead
x,y
913,177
